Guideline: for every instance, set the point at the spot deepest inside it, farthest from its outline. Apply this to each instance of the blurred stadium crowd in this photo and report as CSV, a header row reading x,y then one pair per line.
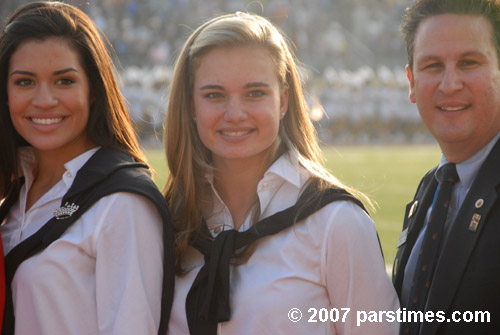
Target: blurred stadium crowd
x,y
351,51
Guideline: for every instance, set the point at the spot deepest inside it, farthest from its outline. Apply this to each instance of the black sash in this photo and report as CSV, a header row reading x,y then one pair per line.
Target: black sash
x,y
107,171
208,303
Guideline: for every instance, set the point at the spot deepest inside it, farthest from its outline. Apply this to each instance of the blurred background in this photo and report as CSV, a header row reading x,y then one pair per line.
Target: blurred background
x,y
353,61
351,52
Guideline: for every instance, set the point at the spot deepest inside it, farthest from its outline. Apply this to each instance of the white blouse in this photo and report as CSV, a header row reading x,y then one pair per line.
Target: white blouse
x,y
103,276
330,260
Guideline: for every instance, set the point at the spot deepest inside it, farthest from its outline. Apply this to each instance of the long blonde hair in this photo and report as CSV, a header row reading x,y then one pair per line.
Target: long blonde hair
x,y
189,160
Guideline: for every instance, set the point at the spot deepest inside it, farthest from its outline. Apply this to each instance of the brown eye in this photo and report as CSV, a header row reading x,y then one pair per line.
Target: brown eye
x,y
213,95
468,63
65,81
432,66
256,94
23,82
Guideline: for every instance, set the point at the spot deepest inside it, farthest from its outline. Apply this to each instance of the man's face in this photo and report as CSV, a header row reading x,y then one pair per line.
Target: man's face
x,y
455,82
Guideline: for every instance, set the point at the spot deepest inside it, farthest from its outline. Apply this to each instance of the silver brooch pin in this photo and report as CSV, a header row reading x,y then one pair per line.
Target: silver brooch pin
x,y
65,211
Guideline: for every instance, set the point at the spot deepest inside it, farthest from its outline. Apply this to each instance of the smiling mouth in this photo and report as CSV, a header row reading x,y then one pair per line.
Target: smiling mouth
x,y
235,133
453,109
46,121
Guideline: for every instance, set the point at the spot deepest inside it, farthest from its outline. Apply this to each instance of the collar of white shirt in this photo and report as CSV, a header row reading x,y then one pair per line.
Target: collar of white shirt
x,y
28,162
468,169
285,171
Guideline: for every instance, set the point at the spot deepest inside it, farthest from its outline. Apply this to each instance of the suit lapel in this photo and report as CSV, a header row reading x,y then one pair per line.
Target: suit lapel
x,y
413,222
463,236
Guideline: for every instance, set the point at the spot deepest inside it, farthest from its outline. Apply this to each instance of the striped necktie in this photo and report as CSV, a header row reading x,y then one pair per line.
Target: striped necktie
x,y
429,251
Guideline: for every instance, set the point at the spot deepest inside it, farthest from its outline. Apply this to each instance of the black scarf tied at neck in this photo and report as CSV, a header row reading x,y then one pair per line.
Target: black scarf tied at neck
x,y
207,302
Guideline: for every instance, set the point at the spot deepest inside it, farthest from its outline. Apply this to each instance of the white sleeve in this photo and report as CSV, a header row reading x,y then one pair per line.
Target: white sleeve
x,y
129,265
355,273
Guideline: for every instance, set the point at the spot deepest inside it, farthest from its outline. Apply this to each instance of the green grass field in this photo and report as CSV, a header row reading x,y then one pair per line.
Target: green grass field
x,y
389,175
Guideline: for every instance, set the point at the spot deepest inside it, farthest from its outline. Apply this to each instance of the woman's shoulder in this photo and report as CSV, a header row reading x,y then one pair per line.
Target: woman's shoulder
x,y
110,171
123,209
118,181
344,217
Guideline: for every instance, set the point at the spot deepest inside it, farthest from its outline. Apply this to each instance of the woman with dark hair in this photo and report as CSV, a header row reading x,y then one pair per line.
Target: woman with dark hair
x,y
82,221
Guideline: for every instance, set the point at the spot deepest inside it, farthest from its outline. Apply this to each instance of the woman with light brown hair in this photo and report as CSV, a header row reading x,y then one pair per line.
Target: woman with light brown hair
x,y
263,230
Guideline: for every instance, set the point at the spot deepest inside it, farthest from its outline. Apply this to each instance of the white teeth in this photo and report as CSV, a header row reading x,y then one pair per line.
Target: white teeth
x,y
235,133
452,108
46,121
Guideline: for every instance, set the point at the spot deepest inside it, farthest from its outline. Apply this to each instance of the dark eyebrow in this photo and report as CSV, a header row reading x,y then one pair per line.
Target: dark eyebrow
x,y
69,69
425,59
256,84
211,87
473,53
25,73
428,58
218,87
56,73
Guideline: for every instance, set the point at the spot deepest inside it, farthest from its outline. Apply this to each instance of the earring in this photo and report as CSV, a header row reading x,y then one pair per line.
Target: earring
x,y
195,118
282,115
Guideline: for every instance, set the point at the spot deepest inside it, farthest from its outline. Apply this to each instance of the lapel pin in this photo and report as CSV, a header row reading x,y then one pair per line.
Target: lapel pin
x,y
474,223
65,211
413,209
402,237
479,203
395,267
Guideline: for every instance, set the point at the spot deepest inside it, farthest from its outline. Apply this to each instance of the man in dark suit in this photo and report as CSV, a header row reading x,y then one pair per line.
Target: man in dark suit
x,y
449,279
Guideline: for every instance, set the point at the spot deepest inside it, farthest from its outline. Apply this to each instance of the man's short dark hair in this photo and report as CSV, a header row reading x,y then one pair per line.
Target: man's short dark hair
x,y
423,9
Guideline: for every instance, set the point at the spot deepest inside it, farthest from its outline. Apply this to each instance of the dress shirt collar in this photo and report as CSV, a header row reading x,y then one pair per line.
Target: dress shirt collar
x,y
468,169
28,165
285,170
76,164
285,167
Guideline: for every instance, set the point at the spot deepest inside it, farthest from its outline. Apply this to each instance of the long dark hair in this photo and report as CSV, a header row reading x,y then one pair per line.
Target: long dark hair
x,y
109,124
